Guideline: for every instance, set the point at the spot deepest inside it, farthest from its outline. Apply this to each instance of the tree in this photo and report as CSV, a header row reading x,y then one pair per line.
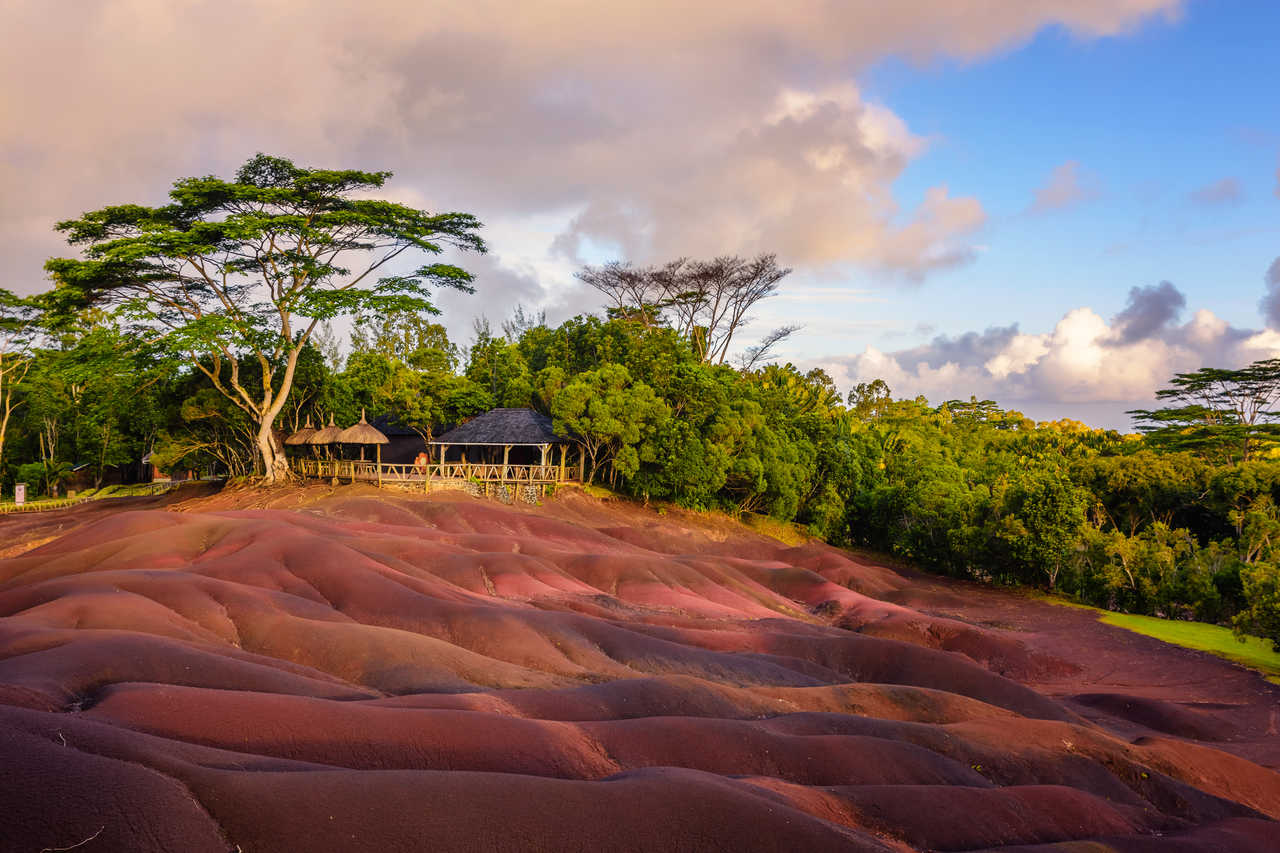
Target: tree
x,y
605,412
17,335
109,380
498,366
252,266
869,400
707,302
1222,414
408,337
1262,595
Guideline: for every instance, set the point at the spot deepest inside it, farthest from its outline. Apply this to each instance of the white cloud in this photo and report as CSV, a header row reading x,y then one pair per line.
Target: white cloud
x,y
1084,360
1067,186
671,127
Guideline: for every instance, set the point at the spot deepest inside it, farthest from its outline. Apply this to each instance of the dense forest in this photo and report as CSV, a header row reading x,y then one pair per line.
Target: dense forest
x,y
658,391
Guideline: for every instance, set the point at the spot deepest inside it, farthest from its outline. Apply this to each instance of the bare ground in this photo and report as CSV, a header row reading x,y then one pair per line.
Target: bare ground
x,y
344,669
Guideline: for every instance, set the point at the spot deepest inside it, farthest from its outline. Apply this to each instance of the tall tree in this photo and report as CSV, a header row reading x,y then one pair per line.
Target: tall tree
x,y
252,266
1226,415
17,335
407,337
705,301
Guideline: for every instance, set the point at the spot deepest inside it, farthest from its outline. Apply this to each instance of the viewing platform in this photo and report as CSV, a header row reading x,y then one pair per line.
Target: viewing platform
x,y
513,454
477,477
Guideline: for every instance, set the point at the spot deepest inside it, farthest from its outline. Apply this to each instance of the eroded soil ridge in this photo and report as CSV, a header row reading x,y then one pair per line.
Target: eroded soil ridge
x,y
366,672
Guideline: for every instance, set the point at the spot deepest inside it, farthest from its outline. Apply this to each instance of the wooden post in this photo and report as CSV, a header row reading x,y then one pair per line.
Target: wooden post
x,y
379,446
544,449
560,478
444,451
582,465
506,457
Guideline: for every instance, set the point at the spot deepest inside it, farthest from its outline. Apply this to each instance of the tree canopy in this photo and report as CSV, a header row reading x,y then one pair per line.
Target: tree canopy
x,y
1217,413
251,266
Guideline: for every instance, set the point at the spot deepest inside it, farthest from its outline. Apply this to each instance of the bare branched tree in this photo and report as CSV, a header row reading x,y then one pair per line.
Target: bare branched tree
x,y
754,356
522,321
706,301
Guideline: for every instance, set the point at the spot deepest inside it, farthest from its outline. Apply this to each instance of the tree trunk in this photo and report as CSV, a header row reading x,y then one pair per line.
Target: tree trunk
x,y
275,467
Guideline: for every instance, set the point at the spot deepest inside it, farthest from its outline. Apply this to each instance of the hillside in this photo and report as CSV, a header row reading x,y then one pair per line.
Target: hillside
x,y
343,669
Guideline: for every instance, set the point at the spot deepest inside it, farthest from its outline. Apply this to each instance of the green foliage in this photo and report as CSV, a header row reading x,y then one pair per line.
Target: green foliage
x,y
607,413
1224,415
250,267
1261,616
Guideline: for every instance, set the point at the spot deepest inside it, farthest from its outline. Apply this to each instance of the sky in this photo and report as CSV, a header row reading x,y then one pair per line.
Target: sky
x,y
1056,204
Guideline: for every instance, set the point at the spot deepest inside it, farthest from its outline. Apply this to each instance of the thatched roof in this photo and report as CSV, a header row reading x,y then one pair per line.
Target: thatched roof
x,y
326,435
302,435
502,427
362,433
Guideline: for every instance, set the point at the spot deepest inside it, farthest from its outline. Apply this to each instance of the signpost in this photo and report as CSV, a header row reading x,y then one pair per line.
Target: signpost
x,y
19,493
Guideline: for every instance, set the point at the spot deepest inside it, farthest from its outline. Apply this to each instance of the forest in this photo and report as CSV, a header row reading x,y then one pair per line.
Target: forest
x,y
133,353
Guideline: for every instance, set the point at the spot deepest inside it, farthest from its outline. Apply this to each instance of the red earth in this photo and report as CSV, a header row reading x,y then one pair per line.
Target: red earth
x,y
345,669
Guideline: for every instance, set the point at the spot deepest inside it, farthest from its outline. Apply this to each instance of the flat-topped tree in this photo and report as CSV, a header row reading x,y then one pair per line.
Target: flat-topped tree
x,y
253,266
1223,415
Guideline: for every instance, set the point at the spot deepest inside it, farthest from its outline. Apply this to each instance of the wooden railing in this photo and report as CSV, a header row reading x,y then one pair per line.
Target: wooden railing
x,y
372,472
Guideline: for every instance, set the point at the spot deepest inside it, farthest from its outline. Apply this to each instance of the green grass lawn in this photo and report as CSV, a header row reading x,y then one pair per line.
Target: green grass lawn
x,y
116,491
1215,639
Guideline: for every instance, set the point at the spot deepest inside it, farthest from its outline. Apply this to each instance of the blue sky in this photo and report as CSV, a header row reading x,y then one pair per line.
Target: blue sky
x,y
893,154
1152,116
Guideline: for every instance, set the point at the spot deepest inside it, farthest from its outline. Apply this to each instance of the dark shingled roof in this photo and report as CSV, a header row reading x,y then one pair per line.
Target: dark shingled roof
x,y
503,426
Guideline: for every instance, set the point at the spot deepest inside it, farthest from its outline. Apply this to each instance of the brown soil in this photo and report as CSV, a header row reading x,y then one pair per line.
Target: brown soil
x,y
344,669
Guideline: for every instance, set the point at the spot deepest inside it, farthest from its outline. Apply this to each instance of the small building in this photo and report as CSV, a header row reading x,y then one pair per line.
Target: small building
x,y
501,450
503,437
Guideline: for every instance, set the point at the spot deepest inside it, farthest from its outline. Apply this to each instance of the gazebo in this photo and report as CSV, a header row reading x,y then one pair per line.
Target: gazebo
x,y
326,435
362,433
302,436
524,431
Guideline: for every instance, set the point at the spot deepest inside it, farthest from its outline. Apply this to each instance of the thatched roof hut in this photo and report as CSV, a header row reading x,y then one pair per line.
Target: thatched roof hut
x,y
326,435
303,435
362,433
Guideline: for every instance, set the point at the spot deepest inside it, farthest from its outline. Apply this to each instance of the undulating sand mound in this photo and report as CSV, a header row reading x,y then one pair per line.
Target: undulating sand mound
x,y
340,669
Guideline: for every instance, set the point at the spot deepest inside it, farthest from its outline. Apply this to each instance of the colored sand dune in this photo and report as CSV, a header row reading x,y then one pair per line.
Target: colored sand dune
x,y
334,671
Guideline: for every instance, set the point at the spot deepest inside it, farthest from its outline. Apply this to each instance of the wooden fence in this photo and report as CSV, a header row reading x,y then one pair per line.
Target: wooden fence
x,y
443,472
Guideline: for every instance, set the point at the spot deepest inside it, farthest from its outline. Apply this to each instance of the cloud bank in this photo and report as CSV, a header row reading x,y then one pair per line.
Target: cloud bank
x,y
1084,360
657,128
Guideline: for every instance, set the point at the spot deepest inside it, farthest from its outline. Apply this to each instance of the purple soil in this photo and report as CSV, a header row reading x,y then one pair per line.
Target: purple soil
x,y
344,669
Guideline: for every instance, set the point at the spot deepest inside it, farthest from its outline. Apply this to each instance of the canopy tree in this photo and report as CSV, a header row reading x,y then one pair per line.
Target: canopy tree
x,y
251,267
1224,415
606,413
18,330
408,337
